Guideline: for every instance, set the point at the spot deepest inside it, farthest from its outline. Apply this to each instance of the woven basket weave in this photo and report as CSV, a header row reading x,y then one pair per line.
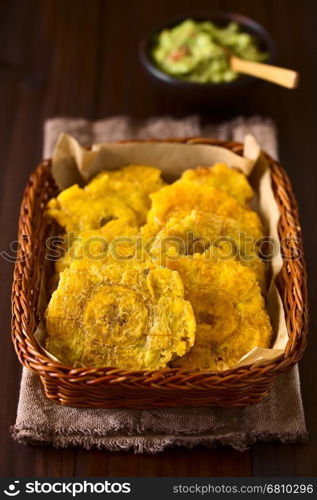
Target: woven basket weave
x,y
114,388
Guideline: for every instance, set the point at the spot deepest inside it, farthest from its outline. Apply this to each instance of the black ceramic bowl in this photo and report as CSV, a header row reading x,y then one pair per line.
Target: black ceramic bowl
x,y
211,93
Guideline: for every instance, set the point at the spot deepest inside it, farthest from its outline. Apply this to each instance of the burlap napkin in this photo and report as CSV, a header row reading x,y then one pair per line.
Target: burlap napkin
x,y
278,417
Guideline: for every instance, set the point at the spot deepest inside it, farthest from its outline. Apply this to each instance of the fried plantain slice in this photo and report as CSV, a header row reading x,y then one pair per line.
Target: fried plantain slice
x,y
126,314
180,198
230,180
229,311
120,194
198,231
94,244
76,210
134,183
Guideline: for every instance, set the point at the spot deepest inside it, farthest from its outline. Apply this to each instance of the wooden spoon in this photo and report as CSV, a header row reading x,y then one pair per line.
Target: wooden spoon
x,y
282,76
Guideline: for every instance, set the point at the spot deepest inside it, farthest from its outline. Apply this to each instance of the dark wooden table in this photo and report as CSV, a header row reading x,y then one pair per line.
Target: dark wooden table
x,y
79,58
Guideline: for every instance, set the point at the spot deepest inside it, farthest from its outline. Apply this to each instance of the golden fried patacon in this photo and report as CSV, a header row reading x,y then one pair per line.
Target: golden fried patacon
x,y
117,235
120,313
143,178
222,177
197,231
110,195
76,210
134,183
229,311
180,198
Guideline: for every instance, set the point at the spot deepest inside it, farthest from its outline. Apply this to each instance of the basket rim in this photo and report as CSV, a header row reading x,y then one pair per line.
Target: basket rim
x,y
31,355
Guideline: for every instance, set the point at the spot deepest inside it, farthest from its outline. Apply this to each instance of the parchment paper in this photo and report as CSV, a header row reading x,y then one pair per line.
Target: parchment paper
x,y
73,163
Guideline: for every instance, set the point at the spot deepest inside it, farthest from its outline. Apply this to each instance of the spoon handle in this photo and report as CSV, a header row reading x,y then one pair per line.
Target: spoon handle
x,y
285,77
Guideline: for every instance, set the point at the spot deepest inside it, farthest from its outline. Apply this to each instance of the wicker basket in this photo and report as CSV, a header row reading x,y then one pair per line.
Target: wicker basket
x,y
114,388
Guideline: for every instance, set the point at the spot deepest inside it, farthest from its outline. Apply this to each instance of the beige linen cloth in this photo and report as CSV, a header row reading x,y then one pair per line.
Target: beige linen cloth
x,y
280,416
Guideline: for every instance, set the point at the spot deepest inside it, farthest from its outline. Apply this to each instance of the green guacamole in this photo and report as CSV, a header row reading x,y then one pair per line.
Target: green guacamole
x,y
194,51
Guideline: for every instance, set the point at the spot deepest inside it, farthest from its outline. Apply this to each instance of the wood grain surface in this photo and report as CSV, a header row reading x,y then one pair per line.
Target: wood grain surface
x,y
79,58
